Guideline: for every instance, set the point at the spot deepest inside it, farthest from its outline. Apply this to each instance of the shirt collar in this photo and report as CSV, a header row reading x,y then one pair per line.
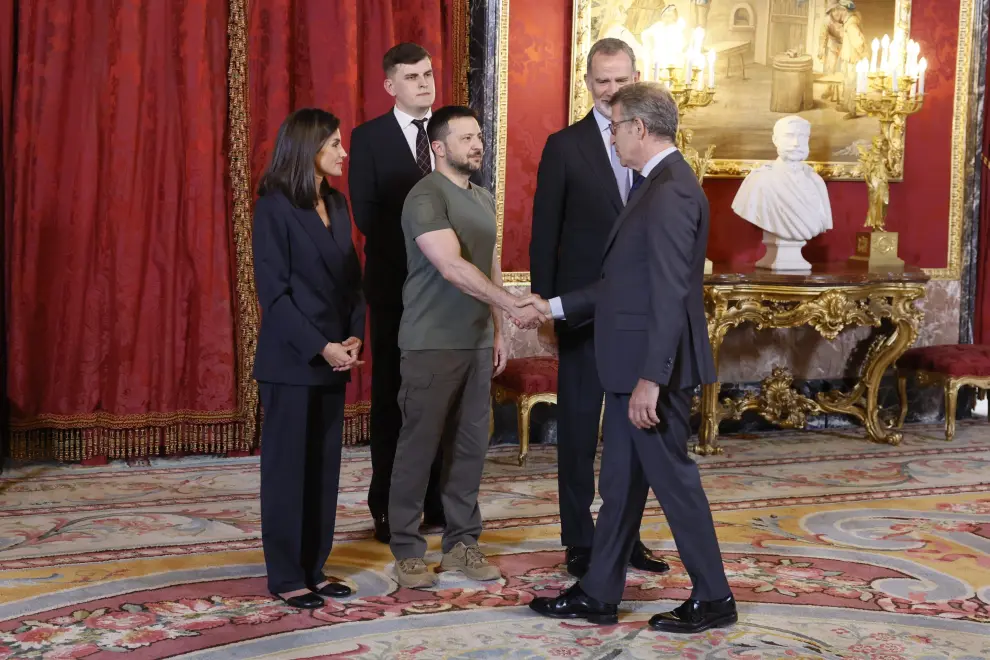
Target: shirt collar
x,y
405,120
653,162
604,123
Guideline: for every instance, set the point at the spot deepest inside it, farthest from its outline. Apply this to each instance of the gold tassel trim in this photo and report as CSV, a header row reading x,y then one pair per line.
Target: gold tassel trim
x,y
81,437
122,422
239,149
82,444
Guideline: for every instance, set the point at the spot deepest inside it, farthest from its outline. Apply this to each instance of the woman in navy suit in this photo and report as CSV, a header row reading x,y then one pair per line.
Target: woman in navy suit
x,y
312,324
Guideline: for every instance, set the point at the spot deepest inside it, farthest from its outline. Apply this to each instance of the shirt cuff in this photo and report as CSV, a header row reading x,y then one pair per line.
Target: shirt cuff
x,y
556,309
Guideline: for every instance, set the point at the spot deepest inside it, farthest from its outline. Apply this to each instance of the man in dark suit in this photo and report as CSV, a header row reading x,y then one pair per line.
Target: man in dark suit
x,y
651,343
581,188
389,155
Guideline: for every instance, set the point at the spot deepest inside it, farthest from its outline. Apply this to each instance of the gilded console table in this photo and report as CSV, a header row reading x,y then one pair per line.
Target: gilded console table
x,y
830,298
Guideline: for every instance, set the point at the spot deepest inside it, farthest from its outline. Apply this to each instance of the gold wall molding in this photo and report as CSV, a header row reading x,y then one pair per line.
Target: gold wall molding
x,y
501,128
960,131
460,45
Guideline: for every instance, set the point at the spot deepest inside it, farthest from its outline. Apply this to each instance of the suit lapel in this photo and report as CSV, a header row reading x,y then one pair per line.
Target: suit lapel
x,y
396,137
639,195
593,150
325,244
340,222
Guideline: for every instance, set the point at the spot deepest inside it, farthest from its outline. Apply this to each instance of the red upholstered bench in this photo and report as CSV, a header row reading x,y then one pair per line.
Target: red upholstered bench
x,y
527,382
952,366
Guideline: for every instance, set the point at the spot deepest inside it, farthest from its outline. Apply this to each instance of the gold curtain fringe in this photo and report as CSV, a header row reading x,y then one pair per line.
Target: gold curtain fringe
x,y
114,439
114,443
357,428
359,408
123,422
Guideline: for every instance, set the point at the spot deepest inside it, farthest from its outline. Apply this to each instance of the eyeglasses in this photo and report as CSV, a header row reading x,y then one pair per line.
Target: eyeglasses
x,y
615,124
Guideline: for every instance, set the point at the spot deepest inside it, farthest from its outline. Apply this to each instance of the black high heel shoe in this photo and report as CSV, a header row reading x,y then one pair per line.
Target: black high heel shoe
x,y
308,601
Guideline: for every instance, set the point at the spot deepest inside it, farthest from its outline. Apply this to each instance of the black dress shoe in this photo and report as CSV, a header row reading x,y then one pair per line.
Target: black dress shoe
x,y
643,559
575,604
694,616
382,532
435,519
308,601
333,590
577,560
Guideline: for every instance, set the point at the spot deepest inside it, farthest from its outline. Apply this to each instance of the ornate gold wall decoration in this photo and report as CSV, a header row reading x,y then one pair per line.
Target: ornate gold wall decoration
x,y
502,132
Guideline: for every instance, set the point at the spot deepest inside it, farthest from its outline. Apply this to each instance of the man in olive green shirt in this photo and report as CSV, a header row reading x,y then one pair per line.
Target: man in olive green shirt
x,y
437,315
451,347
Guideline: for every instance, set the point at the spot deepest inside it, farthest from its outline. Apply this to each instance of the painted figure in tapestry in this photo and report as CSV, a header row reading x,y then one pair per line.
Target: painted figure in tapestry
x,y
772,60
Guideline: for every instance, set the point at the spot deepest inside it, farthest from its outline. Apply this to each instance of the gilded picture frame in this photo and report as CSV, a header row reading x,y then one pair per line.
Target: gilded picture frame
x,y
755,86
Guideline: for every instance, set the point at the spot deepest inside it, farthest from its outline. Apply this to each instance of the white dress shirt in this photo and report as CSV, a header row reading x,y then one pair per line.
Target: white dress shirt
x,y
556,308
605,128
409,130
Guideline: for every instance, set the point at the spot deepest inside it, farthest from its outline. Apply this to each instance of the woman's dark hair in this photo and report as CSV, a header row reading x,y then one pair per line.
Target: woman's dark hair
x,y
292,169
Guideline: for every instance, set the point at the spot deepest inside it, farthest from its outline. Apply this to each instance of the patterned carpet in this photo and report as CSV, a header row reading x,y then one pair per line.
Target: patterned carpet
x,y
835,548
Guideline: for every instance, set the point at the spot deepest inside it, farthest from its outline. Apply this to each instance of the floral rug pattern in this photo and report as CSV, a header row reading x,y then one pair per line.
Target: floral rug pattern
x,y
835,548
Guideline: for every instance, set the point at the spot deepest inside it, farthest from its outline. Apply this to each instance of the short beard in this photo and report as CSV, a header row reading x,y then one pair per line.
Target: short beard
x,y
465,167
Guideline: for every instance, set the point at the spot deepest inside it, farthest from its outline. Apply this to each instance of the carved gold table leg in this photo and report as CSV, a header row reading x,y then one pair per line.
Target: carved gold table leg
x,y
711,411
862,402
902,378
707,444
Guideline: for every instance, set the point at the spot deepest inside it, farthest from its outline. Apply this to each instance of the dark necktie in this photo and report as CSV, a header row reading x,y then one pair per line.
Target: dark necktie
x,y
638,180
422,147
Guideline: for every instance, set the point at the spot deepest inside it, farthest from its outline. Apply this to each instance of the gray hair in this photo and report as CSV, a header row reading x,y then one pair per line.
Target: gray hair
x,y
652,104
611,46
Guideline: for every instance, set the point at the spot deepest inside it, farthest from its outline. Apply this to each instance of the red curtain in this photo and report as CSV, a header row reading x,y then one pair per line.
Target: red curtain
x,y
126,160
981,324
120,292
8,36
328,54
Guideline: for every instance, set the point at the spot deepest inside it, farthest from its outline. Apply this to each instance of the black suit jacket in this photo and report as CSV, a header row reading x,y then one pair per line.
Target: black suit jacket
x,y
382,172
309,287
648,305
575,207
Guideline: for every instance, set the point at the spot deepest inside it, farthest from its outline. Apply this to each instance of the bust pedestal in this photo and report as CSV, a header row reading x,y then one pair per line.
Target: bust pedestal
x,y
782,254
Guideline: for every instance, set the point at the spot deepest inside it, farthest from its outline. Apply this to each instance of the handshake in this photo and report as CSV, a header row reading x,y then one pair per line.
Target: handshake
x,y
529,311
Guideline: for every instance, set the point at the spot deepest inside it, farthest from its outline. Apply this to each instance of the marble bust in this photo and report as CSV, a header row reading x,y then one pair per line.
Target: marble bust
x,y
786,199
